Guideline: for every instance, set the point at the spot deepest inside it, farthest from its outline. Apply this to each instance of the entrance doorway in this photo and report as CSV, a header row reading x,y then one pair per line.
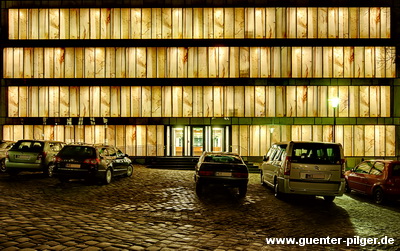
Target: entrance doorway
x,y
193,140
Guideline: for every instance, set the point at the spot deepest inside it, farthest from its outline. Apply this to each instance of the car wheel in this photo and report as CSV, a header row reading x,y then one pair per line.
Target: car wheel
x,y
378,195
242,191
199,189
107,176
49,170
347,189
277,193
262,178
329,199
129,171
3,167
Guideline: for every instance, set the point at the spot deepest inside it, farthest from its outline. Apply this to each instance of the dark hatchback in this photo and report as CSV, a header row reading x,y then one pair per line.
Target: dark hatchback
x,y
91,162
221,169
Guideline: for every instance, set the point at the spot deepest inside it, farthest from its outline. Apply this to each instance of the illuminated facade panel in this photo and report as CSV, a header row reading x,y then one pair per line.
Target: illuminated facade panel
x,y
199,62
197,101
200,23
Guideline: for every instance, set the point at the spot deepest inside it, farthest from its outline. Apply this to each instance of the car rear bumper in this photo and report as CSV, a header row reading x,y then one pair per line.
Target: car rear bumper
x,y
312,188
73,173
226,181
24,166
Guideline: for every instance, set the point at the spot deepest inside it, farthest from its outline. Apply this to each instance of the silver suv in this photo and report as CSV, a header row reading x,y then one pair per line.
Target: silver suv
x,y
32,155
309,168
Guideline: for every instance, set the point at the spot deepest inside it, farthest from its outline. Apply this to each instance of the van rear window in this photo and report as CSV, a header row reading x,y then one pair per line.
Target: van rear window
x,y
316,153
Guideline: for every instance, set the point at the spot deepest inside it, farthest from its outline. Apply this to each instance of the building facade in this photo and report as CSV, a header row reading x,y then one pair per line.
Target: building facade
x,y
175,78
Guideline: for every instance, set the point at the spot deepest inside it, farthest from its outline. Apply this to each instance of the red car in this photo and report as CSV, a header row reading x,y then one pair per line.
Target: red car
x,y
379,178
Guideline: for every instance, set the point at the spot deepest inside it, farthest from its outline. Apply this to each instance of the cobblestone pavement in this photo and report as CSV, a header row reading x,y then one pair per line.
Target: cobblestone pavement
x,y
158,209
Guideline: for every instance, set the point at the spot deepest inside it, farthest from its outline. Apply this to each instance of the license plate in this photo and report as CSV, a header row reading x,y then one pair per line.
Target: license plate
x,y
315,176
22,157
224,174
69,165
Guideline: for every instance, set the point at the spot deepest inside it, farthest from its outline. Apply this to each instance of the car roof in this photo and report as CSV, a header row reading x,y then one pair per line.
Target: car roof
x,y
222,153
382,160
308,142
40,140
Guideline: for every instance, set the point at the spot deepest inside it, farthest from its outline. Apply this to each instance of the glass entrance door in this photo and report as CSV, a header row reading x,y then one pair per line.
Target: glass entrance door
x,y
177,141
197,141
217,139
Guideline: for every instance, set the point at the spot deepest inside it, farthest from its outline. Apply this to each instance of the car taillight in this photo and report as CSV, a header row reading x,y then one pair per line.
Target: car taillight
x,y
342,164
240,175
206,173
288,164
41,155
91,161
57,159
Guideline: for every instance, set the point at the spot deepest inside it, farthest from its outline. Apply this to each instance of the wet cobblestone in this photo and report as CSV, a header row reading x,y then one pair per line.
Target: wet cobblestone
x,y
158,210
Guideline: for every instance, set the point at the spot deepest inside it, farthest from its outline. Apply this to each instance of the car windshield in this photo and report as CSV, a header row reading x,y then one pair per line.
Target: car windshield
x,y
316,153
223,159
77,152
3,145
29,146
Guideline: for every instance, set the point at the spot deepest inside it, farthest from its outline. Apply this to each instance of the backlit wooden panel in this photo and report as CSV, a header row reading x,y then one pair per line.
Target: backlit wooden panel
x,y
208,101
151,140
291,101
64,101
141,140
301,98
136,101
249,101
311,100
244,140
146,101
115,96
33,105
239,92
390,140
369,149
364,101
105,101
167,101
280,103
125,101
343,107
255,144
260,101
54,101
13,97
156,101
271,97
379,142
44,101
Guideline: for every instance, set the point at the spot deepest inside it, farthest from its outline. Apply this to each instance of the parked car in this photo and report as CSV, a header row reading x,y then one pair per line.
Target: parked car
x,y
32,155
5,145
308,168
91,162
377,178
221,169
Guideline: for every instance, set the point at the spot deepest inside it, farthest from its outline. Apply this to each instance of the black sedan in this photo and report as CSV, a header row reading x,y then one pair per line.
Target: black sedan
x,y
221,169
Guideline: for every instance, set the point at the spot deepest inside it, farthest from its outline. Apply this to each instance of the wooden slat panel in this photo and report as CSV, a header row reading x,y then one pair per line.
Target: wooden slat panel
x,y
208,101
84,104
374,101
333,22
249,23
327,62
348,62
213,62
359,141
291,106
364,22
364,101
223,62
105,101
136,101
172,62
43,23
354,101
167,22
69,64
146,23
280,101
323,101
125,22
233,62
160,140
141,140
343,22
130,140
38,132
327,133
286,54
270,29
8,62
386,22
270,95
43,101
390,142
359,62
115,23
312,101
235,138
244,62
249,101
369,140
259,23
89,134
244,140
218,23
95,101
13,16
161,57
255,62
105,24
296,133
296,62
255,144
301,22
146,101
167,101
23,101
374,22
28,62
110,136
110,62
33,101
197,101
192,62
229,23
187,109
73,23
239,22
369,62
100,63
84,28
229,107
54,101
291,23
354,22
151,62
115,101
385,101
126,101
285,133
120,59
182,55
379,64
13,100
156,23
202,57
218,101
306,132
239,101
265,62
79,133
49,65
317,59
338,62
197,23
59,63
151,140
141,56
187,23
306,62
322,22
343,108
317,133
379,141
301,98
120,134
280,23
333,92
348,144
156,101
95,16
264,142
79,63
132,62
99,134
260,101
64,101
74,101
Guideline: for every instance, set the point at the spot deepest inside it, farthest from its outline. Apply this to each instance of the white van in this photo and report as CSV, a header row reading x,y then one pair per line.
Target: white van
x,y
309,168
